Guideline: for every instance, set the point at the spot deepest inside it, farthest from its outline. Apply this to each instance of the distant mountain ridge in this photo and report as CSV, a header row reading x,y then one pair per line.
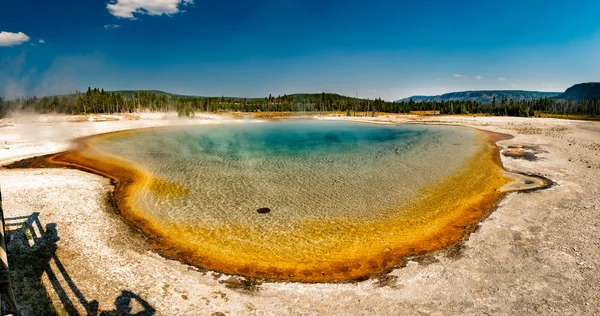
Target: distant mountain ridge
x,y
578,92
484,96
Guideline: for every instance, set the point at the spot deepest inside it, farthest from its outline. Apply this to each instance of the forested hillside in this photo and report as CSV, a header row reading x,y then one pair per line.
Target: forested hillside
x,y
582,91
100,101
485,96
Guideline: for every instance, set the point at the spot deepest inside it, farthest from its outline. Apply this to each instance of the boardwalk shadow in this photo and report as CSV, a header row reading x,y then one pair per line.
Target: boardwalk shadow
x,y
32,254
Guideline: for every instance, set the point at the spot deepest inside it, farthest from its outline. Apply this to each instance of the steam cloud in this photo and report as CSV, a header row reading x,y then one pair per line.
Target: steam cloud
x,y
65,75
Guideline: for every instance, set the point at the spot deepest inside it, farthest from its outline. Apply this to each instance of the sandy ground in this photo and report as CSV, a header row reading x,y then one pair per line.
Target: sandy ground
x,y
538,253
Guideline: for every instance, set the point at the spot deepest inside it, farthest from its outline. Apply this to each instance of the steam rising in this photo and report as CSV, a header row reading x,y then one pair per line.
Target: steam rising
x,y
65,75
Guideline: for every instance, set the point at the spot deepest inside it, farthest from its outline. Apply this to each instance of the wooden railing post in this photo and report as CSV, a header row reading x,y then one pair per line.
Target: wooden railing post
x,y
6,292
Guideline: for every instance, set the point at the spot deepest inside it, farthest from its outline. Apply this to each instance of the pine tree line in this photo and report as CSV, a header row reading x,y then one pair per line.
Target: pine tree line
x,y
96,101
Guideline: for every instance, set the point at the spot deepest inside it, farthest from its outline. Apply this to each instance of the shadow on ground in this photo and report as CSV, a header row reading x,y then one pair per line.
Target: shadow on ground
x,y
32,254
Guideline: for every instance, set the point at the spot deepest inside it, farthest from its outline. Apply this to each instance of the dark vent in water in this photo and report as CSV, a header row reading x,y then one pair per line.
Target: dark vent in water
x,y
264,210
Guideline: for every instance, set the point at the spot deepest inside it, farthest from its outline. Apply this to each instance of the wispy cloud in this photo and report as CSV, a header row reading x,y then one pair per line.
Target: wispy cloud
x,y
126,8
12,39
479,78
513,85
42,42
458,76
501,78
111,26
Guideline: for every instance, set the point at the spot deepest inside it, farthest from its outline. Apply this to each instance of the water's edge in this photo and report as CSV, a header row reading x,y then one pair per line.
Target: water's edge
x,y
126,179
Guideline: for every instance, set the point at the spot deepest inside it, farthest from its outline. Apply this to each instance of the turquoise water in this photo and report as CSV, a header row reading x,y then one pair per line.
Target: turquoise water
x,y
299,169
289,139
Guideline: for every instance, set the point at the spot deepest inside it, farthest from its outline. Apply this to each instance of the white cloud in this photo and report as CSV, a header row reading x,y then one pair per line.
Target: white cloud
x,y
126,8
111,26
42,42
513,85
12,39
479,78
458,76
501,78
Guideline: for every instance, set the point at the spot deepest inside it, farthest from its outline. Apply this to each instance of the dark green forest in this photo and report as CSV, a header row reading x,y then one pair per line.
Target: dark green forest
x,y
96,101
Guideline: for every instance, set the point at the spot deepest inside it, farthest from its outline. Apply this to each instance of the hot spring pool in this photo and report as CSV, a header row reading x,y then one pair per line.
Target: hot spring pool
x,y
347,200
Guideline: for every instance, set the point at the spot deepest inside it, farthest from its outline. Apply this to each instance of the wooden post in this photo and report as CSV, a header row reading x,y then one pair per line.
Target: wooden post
x,y
6,292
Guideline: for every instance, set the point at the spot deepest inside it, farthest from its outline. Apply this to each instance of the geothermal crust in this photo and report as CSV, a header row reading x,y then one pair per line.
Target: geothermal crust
x,y
537,253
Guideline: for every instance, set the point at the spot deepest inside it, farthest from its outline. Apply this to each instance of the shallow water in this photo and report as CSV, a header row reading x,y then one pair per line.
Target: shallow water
x,y
339,192
298,169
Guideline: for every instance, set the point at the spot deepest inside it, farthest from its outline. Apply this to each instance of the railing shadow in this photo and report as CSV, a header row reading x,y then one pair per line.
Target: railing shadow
x,y
32,253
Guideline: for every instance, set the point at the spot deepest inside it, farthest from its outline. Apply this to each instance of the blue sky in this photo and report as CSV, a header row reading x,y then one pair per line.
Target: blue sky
x,y
387,49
